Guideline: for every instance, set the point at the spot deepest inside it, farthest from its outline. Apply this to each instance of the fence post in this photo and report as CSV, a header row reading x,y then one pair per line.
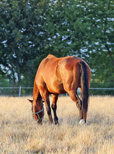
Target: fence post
x,y
20,91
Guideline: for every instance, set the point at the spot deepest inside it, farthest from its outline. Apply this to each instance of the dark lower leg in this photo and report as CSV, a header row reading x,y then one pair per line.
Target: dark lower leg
x,y
76,98
49,111
79,106
82,111
45,96
54,107
78,101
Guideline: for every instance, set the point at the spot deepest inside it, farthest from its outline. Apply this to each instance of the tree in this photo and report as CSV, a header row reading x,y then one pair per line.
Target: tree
x,y
4,82
85,29
21,36
64,32
100,43
30,30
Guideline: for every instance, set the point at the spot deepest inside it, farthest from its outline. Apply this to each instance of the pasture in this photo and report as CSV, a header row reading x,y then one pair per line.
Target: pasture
x,y
20,134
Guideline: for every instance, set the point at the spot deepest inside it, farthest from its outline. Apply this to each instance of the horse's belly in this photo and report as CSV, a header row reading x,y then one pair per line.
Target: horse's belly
x,y
56,87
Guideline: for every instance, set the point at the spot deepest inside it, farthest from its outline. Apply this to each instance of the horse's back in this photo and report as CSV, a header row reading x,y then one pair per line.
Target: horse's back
x,y
48,65
56,73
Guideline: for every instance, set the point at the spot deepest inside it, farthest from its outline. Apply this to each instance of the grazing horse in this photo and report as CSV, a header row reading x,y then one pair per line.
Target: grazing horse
x,y
59,76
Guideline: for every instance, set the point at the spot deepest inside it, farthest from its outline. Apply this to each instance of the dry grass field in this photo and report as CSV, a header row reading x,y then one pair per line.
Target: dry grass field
x,y
20,134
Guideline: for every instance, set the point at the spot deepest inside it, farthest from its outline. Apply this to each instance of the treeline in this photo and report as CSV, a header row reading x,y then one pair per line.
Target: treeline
x,y
31,29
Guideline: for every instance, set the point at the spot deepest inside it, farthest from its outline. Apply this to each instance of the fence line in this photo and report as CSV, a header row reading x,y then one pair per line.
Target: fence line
x,y
103,88
21,88
17,88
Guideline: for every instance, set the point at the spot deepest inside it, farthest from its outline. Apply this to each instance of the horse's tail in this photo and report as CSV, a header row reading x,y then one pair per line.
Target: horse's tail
x,y
84,87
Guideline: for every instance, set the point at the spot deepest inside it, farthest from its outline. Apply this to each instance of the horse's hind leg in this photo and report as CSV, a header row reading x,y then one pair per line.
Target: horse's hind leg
x,y
54,107
45,96
78,102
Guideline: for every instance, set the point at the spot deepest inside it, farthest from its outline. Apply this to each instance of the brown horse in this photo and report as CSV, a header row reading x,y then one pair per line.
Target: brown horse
x,y
59,76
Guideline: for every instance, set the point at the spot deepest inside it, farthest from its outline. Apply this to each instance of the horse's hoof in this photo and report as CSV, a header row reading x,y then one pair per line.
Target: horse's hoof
x,y
56,123
82,122
51,123
39,123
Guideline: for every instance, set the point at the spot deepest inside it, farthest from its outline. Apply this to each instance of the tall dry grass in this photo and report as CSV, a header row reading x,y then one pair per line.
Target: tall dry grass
x,y
20,134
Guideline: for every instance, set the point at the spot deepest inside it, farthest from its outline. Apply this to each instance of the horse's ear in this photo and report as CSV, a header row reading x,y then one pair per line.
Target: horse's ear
x,y
30,100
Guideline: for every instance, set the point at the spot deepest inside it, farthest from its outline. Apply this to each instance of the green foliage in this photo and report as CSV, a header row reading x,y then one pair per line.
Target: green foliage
x,y
4,82
20,38
30,30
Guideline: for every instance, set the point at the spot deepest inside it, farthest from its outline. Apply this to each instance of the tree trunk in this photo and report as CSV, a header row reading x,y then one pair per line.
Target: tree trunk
x,y
19,79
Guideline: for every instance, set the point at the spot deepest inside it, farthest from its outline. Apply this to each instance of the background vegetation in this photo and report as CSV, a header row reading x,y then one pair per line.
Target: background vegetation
x,y
31,29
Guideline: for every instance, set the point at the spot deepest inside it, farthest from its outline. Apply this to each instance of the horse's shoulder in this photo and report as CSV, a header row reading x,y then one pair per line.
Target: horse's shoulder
x,y
51,56
47,59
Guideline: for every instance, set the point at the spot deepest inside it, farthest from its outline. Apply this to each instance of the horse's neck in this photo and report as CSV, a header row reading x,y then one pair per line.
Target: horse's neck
x,y
35,91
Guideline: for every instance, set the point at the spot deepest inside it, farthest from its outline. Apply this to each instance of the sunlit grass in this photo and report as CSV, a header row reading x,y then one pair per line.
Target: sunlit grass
x,y
20,134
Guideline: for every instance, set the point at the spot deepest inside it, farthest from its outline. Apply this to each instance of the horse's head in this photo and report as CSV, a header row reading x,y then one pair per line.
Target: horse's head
x,y
37,110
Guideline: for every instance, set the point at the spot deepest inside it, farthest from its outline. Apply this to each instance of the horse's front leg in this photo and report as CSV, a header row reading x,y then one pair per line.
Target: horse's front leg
x,y
45,96
47,103
54,107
